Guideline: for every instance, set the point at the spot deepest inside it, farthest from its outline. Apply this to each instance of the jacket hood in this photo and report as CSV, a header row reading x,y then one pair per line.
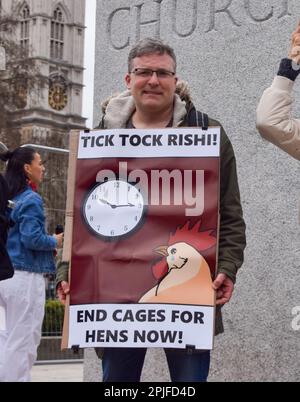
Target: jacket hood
x,y
118,109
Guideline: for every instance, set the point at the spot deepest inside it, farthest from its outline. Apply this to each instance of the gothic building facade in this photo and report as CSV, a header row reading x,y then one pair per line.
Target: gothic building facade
x,y
53,34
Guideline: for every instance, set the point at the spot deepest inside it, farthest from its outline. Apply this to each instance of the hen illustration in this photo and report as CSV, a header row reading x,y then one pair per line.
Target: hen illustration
x,y
183,275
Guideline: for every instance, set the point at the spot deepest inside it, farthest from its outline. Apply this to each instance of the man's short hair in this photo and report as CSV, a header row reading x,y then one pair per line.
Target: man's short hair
x,y
150,46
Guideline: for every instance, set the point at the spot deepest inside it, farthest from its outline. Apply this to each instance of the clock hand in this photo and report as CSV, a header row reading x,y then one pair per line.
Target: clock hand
x,y
106,202
121,206
115,206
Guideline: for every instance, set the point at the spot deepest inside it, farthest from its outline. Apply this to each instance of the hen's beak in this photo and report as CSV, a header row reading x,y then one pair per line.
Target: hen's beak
x,y
162,250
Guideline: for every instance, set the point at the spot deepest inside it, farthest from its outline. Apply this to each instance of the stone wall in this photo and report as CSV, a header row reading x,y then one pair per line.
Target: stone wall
x,y
229,52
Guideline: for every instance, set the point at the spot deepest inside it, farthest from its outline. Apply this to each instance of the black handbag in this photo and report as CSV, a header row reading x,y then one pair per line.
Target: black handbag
x,y
6,268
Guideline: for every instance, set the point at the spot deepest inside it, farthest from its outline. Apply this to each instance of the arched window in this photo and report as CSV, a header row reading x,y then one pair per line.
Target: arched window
x,y
25,20
57,35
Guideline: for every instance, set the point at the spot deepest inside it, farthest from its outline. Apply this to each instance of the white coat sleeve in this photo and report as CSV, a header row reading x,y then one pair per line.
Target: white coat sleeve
x,y
274,120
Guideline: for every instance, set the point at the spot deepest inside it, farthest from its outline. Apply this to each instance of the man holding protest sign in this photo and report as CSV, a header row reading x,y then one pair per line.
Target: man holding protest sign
x,y
274,120
152,102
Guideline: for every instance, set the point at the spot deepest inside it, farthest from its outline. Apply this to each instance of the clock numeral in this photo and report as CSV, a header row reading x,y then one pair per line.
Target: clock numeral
x,y
117,200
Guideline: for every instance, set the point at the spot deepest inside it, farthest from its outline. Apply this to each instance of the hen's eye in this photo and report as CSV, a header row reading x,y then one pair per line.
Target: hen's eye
x,y
173,251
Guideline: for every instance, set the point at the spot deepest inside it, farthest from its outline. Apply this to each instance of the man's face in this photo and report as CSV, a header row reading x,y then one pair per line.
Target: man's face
x,y
153,93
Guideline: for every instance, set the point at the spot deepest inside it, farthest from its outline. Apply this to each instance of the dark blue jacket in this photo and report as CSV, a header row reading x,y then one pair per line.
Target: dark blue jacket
x,y
29,247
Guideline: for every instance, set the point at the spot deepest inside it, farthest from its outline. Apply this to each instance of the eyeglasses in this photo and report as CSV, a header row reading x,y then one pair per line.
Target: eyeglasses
x,y
148,72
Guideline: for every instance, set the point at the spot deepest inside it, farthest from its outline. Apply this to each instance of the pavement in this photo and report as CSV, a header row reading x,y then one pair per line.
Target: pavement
x,y
65,372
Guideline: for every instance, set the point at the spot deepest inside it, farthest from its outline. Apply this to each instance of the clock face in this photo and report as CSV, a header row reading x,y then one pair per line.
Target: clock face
x,y
58,98
113,209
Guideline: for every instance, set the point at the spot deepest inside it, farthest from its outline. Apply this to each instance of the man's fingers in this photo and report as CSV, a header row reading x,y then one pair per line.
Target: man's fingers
x,y
223,297
219,294
222,301
62,290
216,284
218,281
61,295
65,287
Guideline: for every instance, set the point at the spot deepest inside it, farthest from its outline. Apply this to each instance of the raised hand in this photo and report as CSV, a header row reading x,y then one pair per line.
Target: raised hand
x,y
294,52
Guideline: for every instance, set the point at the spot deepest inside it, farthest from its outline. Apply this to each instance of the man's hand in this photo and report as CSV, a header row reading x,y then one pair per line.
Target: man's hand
x,y
62,290
294,52
224,287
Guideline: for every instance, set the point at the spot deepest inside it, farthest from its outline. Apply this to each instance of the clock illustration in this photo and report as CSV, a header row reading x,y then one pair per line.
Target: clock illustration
x,y
113,209
58,98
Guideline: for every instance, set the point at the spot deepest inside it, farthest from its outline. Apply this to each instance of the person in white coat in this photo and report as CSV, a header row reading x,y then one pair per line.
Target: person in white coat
x,y
275,122
31,251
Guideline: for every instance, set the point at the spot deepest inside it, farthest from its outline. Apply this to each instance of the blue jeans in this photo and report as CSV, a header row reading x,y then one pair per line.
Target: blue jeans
x,y
125,365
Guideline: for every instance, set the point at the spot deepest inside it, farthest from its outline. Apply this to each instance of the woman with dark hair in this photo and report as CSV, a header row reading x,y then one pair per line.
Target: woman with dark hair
x,y
31,251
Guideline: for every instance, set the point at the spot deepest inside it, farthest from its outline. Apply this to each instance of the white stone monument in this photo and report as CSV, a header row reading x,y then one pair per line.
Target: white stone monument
x,y
229,52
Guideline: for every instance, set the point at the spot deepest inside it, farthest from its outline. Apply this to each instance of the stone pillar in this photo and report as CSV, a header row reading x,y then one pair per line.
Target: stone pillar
x,y
229,52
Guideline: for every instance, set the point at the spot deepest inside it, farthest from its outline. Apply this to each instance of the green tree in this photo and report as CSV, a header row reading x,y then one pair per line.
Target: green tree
x,y
20,77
